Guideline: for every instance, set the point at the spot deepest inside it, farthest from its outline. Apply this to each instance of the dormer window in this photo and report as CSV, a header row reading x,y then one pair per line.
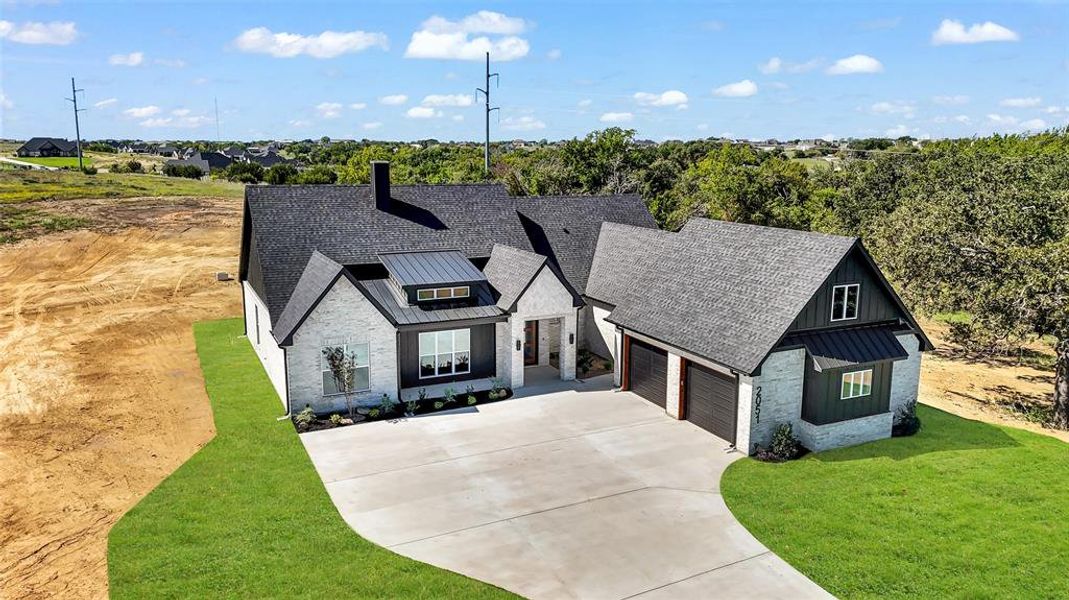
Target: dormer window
x,y
444,293
844,301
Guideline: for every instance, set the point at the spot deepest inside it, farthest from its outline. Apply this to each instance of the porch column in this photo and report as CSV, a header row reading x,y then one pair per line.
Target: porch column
x,y
673,404
516,350
569,340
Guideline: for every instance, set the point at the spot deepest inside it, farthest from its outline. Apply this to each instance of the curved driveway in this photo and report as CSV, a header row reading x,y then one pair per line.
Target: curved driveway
x,y
565,491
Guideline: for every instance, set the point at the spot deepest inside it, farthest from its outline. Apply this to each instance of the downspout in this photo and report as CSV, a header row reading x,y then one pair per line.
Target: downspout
x,y
286,380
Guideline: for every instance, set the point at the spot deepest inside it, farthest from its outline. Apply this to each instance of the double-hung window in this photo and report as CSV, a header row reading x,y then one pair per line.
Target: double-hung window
x,y
856,384
844,301
425,294
360,354
444,353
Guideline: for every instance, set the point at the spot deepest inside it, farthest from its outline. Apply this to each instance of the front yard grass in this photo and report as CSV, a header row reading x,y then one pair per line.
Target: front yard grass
x,y
58,161
248,516
963,509
25,186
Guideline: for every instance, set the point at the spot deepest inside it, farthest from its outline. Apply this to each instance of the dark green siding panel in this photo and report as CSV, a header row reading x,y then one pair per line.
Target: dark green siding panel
x,y
875,305
483,356
821,403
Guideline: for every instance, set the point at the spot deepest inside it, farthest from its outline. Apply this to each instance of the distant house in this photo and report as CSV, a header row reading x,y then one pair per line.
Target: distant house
x,y
234,151
46,146
209,162
266,159
170,151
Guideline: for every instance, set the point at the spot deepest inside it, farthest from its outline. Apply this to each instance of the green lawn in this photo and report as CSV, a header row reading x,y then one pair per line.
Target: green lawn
x,y
24,186
248,517
961,510
58,161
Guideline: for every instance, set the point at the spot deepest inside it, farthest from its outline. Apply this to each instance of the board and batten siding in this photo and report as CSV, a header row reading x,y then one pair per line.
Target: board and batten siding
x,y
483,355
874,305
822,404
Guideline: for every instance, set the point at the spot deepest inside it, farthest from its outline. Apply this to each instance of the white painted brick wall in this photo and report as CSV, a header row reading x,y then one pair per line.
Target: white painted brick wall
x,y
601,334
271,356
505,349
567,354
548,337
743,422
672,403
906,373
844,433
545,298
777,395
344,315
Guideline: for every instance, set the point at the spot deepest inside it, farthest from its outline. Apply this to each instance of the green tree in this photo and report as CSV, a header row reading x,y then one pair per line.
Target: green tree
x,y
244,172
280,174
317,175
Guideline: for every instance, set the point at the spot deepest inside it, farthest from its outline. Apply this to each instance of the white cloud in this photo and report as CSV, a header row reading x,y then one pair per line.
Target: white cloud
x,y
524,123
371,125
329,44
954,32
329,110
668,98
54,33
1056,110
183,122
898,131
422,112
1021,102
457,118
702,127
5,102
358,105
739,89
134,59
393,99
174,63
554,54
616,117
1002,119
448,100
105,103
776,65
441,38
585,102
300,123
142,111
897,107
858,63
201,81
181,112
951,100
1034,124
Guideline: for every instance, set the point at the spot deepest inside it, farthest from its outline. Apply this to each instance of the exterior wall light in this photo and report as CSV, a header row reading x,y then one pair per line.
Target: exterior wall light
x,y
518,345
571,339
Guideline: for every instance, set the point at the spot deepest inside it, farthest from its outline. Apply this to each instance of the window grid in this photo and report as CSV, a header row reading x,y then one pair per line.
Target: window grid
x,y
443,353
856,384
844,301
444,293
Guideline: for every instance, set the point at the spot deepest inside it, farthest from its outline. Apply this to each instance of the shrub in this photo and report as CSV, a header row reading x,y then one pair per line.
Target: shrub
x,y
783,446
187,171
387,404
471,400
438,405
411,406
906,420
335,419
373,413
305,418
450,395
317,175
422,394
492,394
89,170
584,360
281,174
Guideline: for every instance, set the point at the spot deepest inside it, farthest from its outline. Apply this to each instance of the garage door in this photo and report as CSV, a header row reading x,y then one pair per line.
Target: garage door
x,y
648,372
711,401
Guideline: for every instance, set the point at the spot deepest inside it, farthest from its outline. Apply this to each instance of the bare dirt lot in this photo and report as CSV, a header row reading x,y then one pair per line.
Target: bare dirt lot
x,y
101,395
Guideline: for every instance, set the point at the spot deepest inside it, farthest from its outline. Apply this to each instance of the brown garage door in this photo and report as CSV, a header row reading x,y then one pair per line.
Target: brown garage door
x,y
648,372
711,401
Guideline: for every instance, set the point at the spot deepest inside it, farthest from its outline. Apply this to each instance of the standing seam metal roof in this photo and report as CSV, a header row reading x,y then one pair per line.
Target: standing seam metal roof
x,y
431,268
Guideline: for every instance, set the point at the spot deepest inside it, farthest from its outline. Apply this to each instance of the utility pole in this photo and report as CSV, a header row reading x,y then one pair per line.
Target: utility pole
x,y
77,128
489,109
218,136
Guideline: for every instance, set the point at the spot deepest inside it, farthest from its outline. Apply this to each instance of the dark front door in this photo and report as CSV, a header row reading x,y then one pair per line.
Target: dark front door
x,y
711,401
530,343
648,372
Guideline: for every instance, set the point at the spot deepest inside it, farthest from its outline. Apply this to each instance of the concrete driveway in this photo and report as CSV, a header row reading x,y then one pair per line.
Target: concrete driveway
x,y
578,492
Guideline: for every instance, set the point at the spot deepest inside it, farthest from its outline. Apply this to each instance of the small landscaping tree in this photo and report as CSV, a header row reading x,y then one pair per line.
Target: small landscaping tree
x,y
342,366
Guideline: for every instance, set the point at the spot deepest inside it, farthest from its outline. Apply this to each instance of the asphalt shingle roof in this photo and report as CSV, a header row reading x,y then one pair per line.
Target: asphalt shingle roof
x,y
723,291
510,270
318,274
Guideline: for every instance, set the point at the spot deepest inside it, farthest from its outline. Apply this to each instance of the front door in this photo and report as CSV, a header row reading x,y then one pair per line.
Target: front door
x,y
530,343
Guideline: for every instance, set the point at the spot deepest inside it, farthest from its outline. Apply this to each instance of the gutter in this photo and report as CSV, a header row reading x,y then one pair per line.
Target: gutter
x,y
286,381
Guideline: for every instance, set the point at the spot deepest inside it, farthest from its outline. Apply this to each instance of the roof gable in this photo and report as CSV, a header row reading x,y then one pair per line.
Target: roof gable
x,y
510,270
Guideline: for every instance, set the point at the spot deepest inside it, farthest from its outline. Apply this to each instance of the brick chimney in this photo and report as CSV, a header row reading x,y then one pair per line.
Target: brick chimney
x,y
380,183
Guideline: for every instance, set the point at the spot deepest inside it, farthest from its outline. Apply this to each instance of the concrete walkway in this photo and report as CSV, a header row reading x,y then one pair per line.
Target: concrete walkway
x,y
565,491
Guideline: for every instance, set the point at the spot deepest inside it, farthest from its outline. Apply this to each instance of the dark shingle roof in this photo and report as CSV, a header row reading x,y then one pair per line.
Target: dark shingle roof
x,y
34,144
318,275
723,291
510,270
846,347
400,313
431,268
565,228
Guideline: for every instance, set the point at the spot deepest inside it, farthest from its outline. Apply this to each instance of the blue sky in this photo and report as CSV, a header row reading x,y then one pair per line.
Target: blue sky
x,y
404,70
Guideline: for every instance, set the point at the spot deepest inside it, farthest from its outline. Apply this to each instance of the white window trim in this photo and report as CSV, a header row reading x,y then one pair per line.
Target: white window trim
x,y
346,347
419,355
444,293
857,303
852,375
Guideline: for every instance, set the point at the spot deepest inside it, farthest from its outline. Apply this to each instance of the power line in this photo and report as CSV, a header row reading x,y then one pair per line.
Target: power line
x,y
489,109
77,127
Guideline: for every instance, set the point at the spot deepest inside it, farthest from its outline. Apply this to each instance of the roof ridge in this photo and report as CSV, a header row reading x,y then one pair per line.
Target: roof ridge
x,y
698,221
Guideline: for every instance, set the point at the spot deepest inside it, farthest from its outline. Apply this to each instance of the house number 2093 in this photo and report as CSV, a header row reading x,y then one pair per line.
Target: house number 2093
x,y
757,405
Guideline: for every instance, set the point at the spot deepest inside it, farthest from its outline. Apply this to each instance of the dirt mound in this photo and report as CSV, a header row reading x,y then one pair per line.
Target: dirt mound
x,y
101,395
